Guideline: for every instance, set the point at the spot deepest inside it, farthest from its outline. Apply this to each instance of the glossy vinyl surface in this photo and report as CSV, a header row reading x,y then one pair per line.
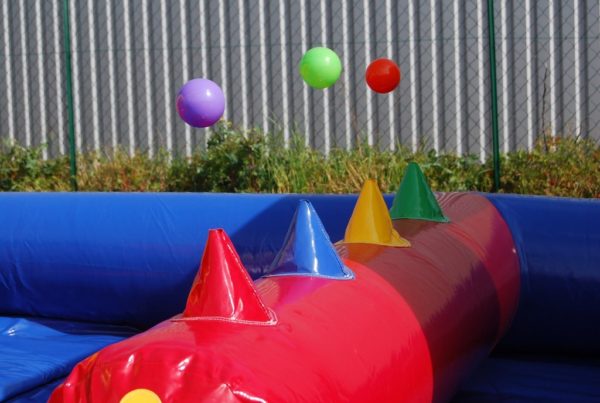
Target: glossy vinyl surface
x,y
223,289
307,249
111,259
39,394
370,221
131,258
414,199
558,242
411,325
34,351
533,378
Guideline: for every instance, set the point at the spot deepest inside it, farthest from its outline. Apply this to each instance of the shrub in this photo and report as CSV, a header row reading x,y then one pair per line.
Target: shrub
x,y
118,171
250,161
234,161
570,167
24,169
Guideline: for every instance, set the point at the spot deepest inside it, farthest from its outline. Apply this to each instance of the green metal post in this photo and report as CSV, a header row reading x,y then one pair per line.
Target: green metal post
x,y
494,95
70,112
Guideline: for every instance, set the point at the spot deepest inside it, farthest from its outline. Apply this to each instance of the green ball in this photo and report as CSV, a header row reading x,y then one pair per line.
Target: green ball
x,y
320,67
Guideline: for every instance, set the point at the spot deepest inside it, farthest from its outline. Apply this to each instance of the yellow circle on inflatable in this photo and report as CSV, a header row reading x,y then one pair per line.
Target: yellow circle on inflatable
x,y
141,396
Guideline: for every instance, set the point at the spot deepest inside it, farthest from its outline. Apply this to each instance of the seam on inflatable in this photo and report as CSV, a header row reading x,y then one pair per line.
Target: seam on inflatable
x,y
272,322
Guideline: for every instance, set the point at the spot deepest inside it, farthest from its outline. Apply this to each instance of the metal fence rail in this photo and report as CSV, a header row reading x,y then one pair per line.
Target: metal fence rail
x,y
129,58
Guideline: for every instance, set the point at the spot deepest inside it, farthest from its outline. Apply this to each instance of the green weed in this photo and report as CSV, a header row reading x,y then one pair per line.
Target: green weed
x,y
250,161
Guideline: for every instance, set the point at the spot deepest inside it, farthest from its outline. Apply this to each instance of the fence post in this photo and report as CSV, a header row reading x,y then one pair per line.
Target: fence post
x,y
494,95
69,100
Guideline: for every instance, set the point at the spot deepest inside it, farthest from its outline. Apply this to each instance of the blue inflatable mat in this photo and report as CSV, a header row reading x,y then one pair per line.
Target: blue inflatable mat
x,y
558,243
37,395
36,352
533,379
130,259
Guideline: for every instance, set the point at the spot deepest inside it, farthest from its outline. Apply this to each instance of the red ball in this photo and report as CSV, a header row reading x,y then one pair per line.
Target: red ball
x,y
383,75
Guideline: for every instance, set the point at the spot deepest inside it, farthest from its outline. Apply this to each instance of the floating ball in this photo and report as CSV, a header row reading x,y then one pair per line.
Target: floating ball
x,y
320,67
383,75
200,102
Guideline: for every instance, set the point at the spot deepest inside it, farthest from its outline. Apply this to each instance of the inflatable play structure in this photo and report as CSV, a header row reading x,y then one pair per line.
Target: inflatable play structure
x,y
462,297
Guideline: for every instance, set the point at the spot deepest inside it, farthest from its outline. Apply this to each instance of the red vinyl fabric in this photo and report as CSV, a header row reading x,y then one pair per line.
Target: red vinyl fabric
x,y
410,326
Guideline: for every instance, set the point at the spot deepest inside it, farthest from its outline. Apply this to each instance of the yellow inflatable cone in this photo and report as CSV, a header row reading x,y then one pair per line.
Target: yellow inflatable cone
x,y
371,222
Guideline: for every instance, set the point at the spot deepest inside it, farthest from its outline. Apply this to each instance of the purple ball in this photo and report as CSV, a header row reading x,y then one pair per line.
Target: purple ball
x,y
200,102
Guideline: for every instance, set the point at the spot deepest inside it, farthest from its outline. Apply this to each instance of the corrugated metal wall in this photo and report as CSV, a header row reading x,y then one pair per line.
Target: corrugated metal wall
x,y
131,56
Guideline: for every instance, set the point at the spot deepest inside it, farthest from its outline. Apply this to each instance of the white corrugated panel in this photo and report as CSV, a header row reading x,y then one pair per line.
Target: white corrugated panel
x,y
246,46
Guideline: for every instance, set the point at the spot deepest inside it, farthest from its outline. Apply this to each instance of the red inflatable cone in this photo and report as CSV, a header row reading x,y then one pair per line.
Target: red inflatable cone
x,y
223,288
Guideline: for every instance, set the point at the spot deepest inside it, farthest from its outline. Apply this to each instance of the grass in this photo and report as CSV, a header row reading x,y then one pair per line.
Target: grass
x,y
250,161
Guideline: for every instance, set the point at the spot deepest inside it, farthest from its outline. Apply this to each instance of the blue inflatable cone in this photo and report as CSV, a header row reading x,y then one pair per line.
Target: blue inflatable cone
x,y
307,249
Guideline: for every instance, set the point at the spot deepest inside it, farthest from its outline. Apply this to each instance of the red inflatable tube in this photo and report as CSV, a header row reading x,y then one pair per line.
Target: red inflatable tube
x,y
409,326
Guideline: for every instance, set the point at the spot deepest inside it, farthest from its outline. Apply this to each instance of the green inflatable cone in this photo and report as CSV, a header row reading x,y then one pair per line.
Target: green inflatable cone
x,y
414,199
